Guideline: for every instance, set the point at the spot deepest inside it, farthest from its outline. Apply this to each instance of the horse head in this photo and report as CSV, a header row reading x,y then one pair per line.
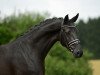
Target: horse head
x,y
68,36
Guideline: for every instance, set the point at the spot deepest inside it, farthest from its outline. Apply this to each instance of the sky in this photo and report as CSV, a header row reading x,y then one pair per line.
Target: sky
x,y
57,8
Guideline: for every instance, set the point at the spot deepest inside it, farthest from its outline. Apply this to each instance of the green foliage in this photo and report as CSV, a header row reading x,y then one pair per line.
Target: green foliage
x,y
13,26
89,33
61,62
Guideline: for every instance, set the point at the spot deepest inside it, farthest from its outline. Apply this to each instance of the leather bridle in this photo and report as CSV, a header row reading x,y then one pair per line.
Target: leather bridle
x,y
69,44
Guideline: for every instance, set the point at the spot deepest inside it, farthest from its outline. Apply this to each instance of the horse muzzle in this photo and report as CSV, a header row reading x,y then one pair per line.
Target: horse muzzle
x,y
78,53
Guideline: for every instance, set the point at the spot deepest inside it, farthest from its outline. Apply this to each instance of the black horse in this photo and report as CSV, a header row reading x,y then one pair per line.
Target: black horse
x,y
26,55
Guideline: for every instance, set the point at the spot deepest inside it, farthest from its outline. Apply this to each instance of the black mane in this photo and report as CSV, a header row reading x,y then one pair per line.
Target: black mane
x,y
41,24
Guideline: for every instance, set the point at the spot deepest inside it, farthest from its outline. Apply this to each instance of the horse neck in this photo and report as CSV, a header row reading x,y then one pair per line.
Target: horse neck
x,y
45,38
44,44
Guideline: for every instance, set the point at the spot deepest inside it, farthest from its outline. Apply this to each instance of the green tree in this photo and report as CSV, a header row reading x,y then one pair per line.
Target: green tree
x,y
89,34
11,27
61,62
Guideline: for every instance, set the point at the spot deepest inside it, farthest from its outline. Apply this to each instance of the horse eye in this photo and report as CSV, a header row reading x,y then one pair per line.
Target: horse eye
x,y
67,30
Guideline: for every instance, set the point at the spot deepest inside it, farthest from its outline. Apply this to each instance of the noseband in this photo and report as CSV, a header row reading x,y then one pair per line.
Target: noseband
x,y
75,41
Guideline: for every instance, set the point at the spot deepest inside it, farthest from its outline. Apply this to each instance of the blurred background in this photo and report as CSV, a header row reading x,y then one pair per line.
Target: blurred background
x,y
17,16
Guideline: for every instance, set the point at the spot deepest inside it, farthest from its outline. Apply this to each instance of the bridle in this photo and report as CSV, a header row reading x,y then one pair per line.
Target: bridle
x,y
69,44
73,42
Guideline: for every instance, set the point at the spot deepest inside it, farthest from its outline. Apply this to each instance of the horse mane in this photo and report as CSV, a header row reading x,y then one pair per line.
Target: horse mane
x,y
41,24
36,27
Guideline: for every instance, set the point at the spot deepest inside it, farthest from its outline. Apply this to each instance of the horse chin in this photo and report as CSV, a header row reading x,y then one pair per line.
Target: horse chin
x,y
78,53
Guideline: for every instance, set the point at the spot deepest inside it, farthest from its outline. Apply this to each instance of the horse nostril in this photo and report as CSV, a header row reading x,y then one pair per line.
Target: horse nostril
x,y
78,52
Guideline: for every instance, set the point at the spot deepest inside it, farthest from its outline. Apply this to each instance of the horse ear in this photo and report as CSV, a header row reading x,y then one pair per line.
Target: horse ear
x,y
74,18
66,19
